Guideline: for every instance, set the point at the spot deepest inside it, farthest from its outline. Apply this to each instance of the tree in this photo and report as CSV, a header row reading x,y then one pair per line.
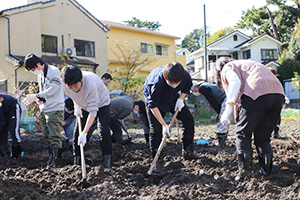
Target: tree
x,y
296,81
153,26
194,41
218,34
131,61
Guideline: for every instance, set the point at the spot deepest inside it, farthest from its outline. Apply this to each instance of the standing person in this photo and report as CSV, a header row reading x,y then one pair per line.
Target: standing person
x,y
89,93
255,96
106,78
51,98
161,94
217,99
139,111
69,121
120,108
10,115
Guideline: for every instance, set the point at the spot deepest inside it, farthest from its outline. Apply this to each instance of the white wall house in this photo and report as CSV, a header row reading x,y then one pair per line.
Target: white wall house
x,y
236,44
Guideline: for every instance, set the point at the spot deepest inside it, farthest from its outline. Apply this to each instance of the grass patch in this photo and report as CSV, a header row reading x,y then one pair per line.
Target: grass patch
x,y
290,113
203,117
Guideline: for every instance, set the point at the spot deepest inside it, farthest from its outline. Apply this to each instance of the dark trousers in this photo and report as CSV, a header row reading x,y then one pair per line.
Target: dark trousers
x,y
155,133
116,128
12,124
102,120
258,117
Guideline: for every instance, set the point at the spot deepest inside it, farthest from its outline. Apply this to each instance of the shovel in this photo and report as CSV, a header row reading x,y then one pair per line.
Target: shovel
x,y
81,151
161,146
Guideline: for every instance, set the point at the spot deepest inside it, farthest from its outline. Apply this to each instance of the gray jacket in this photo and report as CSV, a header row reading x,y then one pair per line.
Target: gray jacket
x,y
121,106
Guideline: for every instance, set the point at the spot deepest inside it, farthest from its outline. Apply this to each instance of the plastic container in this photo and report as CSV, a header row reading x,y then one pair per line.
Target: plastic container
x,y
202,142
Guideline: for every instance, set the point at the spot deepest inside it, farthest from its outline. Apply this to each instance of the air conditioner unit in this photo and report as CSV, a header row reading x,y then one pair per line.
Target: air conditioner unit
x,y
69,51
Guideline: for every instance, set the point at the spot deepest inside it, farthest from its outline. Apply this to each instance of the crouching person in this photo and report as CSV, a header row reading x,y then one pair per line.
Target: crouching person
x,y
89,93
255,96
161,94
10,114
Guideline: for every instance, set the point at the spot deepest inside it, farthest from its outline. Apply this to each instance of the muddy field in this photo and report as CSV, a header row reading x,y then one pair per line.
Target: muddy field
x,y
209,177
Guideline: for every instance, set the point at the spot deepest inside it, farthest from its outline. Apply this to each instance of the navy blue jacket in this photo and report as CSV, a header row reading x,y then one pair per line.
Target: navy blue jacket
x,y
7,109
159,94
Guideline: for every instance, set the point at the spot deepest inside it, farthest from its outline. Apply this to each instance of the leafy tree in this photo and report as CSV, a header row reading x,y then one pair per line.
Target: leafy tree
x,y
287,68
131,61
218,34
296,81
153,26
194,40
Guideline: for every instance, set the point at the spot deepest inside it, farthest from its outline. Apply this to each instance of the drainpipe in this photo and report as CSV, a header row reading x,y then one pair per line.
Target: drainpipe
x,y
205,46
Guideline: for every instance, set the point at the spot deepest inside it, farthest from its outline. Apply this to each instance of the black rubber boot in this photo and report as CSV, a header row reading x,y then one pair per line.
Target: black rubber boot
x,y
77,160
188,152
244,164
107,161
222,137
265,164
53,162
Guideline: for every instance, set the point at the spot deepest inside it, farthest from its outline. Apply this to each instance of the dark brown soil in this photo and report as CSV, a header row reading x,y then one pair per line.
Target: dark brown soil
x,y
209,177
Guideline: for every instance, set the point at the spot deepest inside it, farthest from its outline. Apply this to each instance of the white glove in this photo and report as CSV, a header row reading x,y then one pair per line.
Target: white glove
x,y
82,139
225,118
77,111
179,104
166,130
30,98
287,100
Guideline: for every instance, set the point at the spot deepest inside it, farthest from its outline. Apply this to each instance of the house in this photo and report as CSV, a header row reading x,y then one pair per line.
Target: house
x,y
60,31
188,59
263,49
139,43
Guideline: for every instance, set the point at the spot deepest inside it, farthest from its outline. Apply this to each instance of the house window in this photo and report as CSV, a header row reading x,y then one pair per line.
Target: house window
x,y
247,54
235,38
49,44
161,50
269,54
84,48
146,48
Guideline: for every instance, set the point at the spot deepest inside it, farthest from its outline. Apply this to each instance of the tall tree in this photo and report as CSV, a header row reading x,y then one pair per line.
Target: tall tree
x,y
151,25
194,41
218,34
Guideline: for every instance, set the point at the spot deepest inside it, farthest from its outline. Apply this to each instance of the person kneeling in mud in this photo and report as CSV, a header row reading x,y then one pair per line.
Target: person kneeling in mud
x,y
217,99
255,96
161,94
88,92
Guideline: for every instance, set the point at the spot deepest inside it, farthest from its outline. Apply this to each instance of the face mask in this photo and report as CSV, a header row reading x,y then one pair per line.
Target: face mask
x,y
37,72
196,93
77,89
105,83
173,86
68,111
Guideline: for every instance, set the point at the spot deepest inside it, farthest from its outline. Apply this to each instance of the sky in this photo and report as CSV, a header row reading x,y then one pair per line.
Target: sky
x,y
177,17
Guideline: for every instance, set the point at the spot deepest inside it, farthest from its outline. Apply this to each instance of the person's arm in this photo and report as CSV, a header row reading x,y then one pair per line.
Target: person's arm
x,y
234,83
88,124
155,111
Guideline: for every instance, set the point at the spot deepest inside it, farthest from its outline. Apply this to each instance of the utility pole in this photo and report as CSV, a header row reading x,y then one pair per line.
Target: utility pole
x,y
205,49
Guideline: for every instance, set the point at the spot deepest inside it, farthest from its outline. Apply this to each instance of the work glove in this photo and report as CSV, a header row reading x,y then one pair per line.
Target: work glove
x,y
16,151
286,99
166,130
77,111
30,98
179,104
82,138
225,118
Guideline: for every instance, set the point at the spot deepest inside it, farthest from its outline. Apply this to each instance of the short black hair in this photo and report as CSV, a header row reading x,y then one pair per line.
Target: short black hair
x,y
31,60
107,76
71,74
69,103
220,63
173,72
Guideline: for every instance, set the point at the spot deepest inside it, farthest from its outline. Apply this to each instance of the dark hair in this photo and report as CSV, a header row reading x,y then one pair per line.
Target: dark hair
x,y
107,76
69,103
173,72
71,75
220,63
31,60
273,70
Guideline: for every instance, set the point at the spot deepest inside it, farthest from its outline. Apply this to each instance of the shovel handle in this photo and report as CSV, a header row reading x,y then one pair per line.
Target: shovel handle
x,y
83,168
162,144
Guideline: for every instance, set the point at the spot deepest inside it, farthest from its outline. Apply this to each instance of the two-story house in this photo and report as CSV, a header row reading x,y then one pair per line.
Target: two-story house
x,y
160,47
60,31
263,49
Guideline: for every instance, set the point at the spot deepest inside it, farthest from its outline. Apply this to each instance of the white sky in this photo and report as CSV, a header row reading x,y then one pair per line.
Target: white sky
x,y
177,17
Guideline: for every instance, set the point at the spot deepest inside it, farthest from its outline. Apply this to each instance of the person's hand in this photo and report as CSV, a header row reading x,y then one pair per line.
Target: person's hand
x,y
82,139
166,130
77,111
30,98
179,104
16,150
225,118
286,99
